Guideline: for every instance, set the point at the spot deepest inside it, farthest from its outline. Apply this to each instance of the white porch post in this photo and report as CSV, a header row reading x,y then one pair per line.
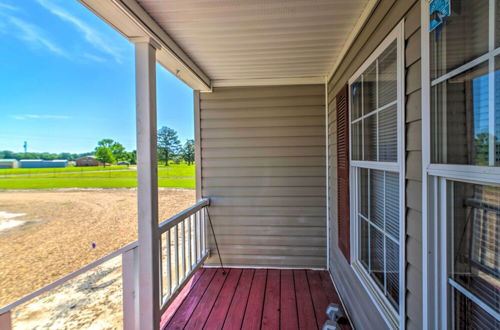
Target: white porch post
x,y
147,183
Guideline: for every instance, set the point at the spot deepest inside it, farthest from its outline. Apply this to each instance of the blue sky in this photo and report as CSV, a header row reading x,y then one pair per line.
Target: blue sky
x,y
67,80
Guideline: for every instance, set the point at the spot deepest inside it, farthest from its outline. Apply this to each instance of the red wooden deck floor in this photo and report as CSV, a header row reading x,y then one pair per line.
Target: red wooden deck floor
x,y
252,299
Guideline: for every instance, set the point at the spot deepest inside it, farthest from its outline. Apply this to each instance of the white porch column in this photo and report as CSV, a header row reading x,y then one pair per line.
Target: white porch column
x,y
147,183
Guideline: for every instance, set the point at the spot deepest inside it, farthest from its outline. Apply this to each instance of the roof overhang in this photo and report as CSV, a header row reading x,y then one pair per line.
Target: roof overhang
x,y
220,43
132,21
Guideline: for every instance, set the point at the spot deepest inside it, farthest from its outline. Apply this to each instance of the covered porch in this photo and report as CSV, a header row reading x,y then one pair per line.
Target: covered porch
x,y
260,73
248,298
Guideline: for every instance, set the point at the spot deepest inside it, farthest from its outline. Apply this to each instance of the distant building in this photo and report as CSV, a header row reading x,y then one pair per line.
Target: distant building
x,y
9,163
39,163
87,161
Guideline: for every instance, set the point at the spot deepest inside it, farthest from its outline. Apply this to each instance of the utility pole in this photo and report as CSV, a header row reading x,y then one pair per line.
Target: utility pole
x,y
25,146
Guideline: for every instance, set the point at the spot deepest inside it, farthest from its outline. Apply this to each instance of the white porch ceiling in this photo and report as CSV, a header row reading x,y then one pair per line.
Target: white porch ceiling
x,y
242,40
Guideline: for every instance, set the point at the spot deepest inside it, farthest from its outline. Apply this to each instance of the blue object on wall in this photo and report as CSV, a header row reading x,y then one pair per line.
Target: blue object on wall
x,y
439,10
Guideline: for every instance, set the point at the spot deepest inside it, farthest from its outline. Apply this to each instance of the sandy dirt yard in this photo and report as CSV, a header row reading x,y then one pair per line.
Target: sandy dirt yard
x,y
59,232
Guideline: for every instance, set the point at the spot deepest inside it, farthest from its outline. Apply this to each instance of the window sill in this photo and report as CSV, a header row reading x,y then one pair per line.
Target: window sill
x,y
386,310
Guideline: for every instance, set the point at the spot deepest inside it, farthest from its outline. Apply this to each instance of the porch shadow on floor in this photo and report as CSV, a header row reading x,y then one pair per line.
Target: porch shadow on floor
x,y
252,299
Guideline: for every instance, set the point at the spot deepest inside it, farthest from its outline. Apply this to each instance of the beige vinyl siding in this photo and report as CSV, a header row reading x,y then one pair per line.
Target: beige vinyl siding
x,y
384,18
362,311
263,166
413,117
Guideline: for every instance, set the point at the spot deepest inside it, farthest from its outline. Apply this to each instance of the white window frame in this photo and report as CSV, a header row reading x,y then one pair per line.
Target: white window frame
x,y
441,208
394,319
435,291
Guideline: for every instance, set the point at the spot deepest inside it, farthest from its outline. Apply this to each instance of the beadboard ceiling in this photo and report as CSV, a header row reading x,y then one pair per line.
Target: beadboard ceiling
x,y
259,39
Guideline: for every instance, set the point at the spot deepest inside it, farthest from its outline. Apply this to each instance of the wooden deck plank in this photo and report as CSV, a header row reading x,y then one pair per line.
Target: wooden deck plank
x,y
319,298
330,291
174,306
288,314
332,294
181,317
253,299
253,312
305,310
221,306
236,312
202,311
271,313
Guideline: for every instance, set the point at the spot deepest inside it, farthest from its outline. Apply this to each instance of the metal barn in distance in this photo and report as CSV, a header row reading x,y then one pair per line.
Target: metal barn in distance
x,y
8,163
40,163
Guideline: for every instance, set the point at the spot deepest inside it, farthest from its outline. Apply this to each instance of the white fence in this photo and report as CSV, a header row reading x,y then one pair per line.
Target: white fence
x,y
183,246
183,249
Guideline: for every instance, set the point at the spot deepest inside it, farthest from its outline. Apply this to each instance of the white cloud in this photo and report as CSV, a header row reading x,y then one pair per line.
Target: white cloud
x,y
35,36
94,58
8,7
90,34
31,116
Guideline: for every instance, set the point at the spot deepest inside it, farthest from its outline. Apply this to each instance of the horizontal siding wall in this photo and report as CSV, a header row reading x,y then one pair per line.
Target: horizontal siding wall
x,y
383,20
413,117
263,166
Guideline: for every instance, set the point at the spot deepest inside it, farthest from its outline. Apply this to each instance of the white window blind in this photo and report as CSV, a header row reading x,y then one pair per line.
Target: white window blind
x,y
376,155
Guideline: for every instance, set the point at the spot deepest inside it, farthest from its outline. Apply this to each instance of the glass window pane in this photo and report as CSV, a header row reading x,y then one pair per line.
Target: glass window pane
x,y
462,38
370,89
377,198
497,110
474,221
392,275
497,23
377,256
370,138
387,75
364,234
459,127
392,204
363,191
356,141
468,315
356,109
388,135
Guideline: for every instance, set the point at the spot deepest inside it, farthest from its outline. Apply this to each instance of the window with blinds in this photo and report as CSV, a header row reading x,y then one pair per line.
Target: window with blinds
x,y
474,274
377,173
464,126
465,85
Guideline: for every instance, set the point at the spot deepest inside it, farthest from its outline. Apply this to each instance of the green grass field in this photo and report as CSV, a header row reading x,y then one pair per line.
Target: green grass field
x,y
27,171
173,176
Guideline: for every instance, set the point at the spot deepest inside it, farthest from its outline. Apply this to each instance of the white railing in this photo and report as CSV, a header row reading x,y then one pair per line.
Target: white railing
x,y
129,279
183,249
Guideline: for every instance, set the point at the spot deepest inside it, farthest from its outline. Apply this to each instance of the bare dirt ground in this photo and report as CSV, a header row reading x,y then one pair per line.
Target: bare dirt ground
x,y
62,231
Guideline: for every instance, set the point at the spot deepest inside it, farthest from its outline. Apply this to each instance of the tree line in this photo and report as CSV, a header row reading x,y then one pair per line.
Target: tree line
x,y
169,149
109,151
7,154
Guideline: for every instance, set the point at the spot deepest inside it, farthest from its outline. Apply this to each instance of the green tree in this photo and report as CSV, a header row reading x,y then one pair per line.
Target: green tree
x,y
131,157
104,155
116,148
6,154
168,144
118,151
188,152
481,142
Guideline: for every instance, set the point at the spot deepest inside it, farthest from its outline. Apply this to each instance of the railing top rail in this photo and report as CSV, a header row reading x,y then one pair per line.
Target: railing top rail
x,y
167,224
68,277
